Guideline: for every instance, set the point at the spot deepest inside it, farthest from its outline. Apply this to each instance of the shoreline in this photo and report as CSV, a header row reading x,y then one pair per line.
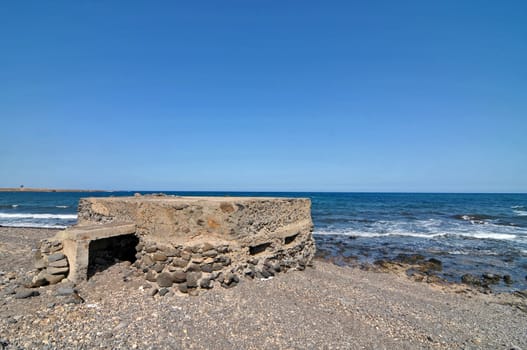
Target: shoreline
x,y
323,306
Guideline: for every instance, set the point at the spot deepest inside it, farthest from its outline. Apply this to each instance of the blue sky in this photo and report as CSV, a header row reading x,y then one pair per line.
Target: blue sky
x,y
264,95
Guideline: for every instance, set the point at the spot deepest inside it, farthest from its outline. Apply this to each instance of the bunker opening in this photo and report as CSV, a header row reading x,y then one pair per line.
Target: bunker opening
x,y
290,239
260,248
106,252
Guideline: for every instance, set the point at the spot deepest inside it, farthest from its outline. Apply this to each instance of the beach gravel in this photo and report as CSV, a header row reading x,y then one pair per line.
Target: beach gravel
x,y
322,307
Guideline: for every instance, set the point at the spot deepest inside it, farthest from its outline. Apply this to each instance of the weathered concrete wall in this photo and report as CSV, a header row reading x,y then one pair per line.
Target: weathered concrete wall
x,y
197,242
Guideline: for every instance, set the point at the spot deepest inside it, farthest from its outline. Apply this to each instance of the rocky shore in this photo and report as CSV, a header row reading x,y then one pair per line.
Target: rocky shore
x,y
324,306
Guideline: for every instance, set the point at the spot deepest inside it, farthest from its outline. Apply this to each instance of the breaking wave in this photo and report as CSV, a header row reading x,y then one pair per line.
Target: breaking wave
x,y
477,235
37,216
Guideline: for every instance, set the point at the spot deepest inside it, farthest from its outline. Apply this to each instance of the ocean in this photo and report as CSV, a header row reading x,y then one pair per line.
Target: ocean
x,y
469,233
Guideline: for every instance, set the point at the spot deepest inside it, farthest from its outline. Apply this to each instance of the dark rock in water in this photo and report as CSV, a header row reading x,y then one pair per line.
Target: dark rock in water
x,y
491,278
163,291
433,279
164,279
435,264
410,258
26,293
470,279
507,279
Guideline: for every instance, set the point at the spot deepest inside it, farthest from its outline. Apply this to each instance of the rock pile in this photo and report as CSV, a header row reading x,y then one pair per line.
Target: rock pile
x,y
205,265
50,263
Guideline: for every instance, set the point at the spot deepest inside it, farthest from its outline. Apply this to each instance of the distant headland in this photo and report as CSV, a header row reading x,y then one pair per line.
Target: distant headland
x,y
28,189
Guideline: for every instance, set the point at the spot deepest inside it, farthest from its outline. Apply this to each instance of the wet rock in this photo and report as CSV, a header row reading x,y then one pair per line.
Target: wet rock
x,y
410,259
164,279
491,278
26,293
508,279
434,264
470,279
163,291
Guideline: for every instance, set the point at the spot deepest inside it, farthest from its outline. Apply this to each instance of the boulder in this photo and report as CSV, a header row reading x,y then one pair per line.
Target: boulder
x,y
164,279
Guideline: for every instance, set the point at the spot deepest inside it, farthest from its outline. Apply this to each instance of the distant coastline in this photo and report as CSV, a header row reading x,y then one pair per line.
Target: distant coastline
x,y
24,189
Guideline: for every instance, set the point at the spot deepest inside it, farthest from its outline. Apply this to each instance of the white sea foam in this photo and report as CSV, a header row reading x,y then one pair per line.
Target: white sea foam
x,y
37,216
520,212
62,206
476,234
32,225
14,205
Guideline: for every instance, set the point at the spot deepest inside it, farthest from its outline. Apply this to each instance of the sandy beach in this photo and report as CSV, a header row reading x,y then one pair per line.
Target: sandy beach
x,y
323,307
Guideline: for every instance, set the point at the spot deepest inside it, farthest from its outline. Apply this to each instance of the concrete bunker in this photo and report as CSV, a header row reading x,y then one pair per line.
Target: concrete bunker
x,y
189,243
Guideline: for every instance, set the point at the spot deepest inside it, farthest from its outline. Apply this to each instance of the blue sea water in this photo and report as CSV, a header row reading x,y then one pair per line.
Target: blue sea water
x,y
469,233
